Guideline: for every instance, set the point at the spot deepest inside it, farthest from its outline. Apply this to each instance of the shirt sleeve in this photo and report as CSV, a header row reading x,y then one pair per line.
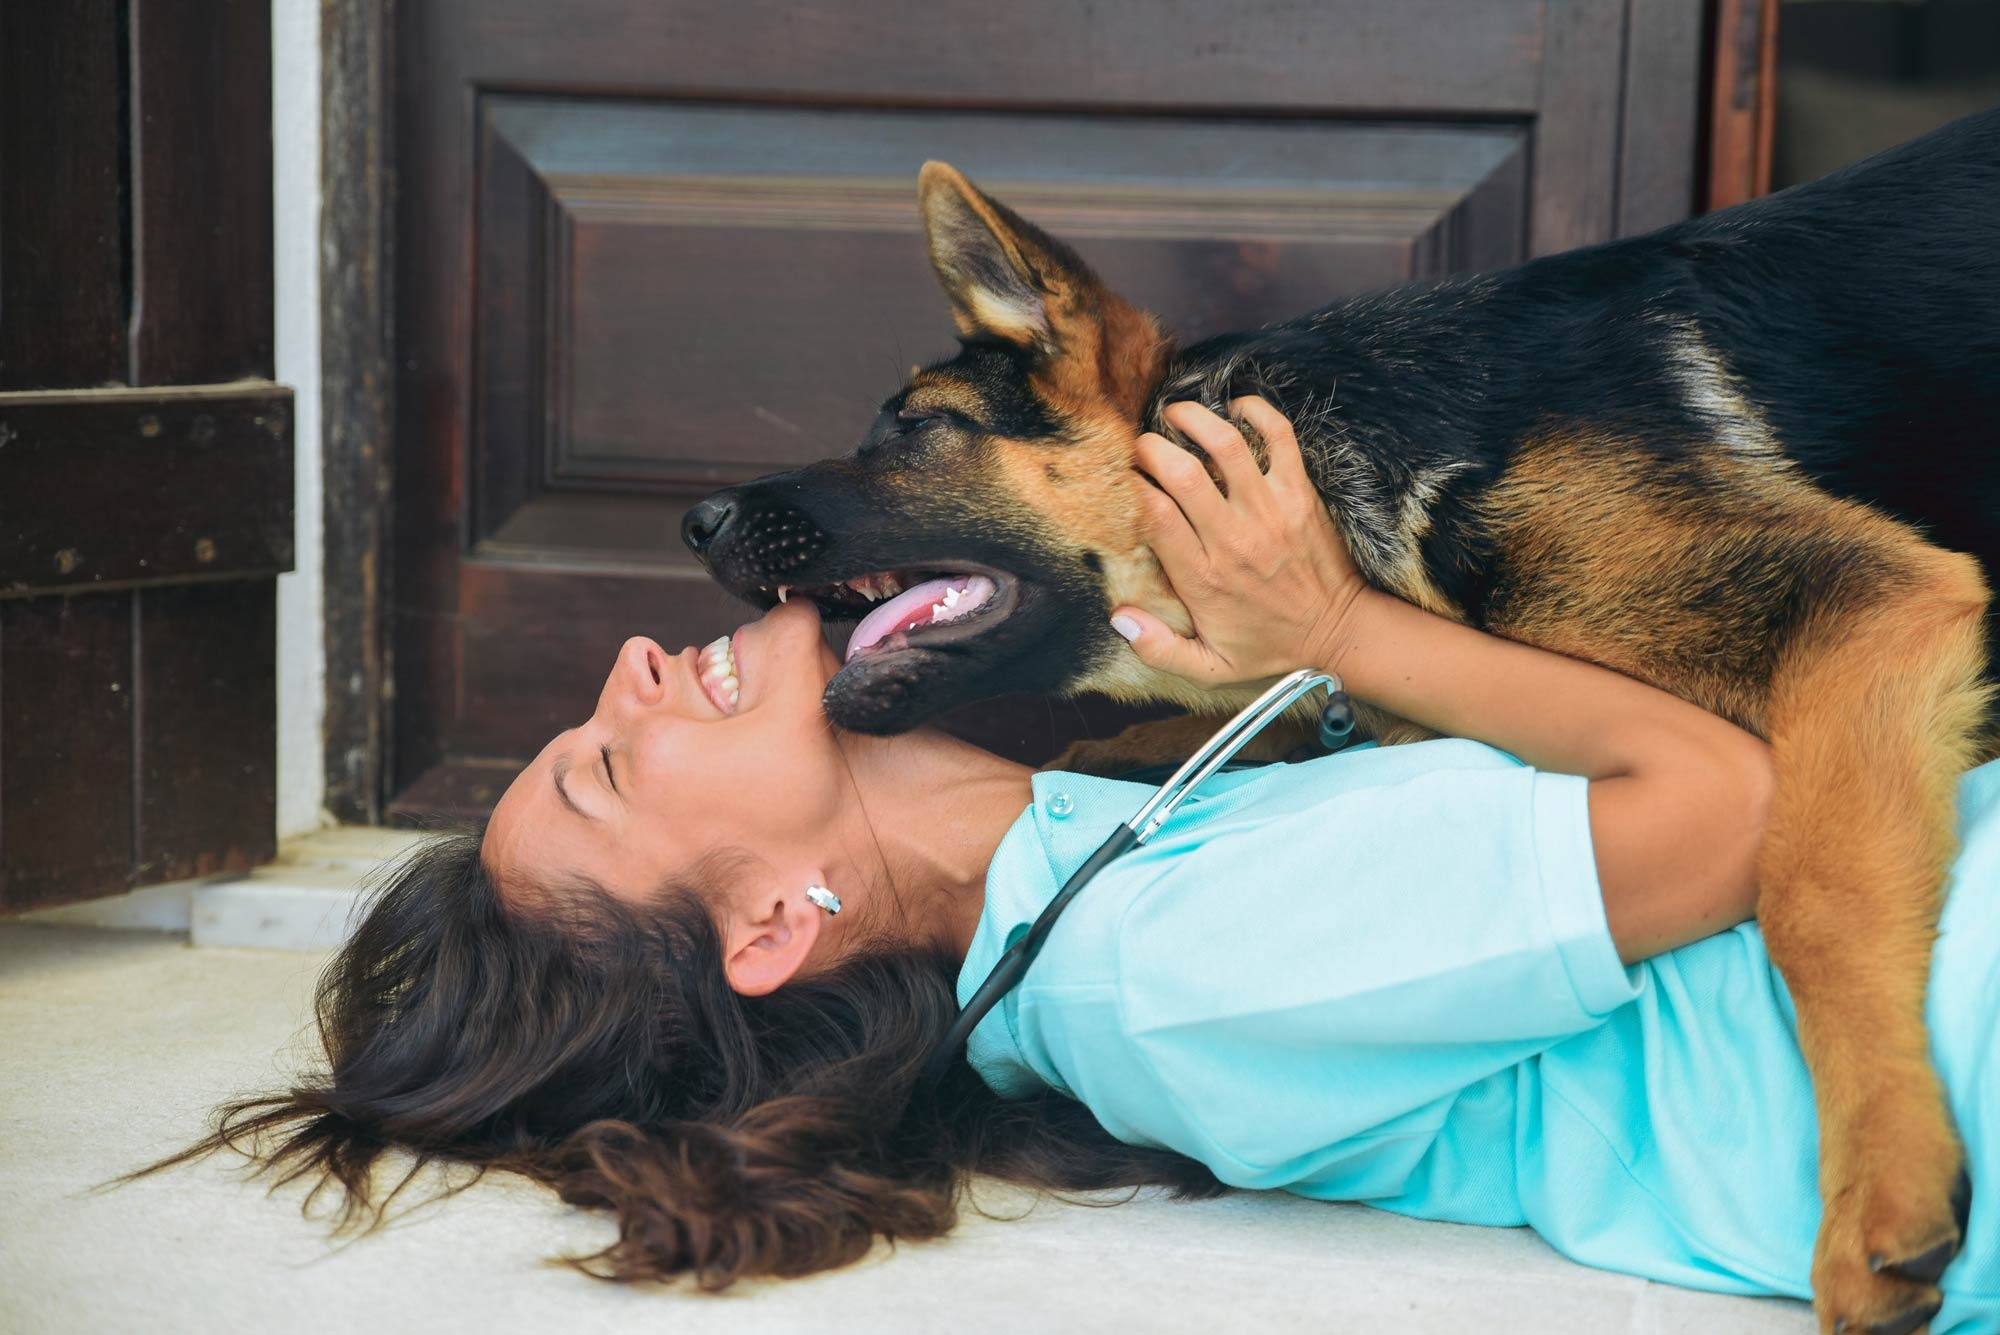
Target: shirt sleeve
x,y
1302,995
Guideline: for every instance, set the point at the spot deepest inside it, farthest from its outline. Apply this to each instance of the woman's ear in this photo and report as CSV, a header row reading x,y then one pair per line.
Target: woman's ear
x,y
767,939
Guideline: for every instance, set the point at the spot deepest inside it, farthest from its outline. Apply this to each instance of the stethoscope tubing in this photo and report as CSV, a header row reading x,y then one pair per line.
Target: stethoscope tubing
x,y
1216,752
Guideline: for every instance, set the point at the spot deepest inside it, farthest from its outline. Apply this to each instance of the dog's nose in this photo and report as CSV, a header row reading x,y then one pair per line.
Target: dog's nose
x,y
704,521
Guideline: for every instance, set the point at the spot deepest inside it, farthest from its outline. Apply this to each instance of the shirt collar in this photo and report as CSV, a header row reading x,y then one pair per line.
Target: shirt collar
x,y
1069,818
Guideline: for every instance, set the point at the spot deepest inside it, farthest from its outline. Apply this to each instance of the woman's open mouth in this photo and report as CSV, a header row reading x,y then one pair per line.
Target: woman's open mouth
x,y
912,609
716,670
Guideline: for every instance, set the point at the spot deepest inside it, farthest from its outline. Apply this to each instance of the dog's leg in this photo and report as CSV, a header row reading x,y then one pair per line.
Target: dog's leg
x,y
1872,717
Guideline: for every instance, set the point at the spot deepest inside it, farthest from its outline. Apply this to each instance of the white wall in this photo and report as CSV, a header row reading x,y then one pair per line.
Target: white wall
x,y
295,188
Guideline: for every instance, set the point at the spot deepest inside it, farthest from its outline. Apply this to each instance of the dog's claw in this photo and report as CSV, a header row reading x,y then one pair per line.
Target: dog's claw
x,y
1924,1267
1905,1322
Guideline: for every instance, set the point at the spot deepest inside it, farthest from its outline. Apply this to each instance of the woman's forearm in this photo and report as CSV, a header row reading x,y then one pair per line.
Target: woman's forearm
x,y
1556,713
1677,795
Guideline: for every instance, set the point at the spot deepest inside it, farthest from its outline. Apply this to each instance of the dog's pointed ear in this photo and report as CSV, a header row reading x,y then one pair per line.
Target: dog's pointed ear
x,y
1009,280
1005,277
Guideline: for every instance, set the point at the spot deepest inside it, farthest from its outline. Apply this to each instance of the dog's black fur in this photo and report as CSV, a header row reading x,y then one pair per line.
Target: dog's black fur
x,y
1861,314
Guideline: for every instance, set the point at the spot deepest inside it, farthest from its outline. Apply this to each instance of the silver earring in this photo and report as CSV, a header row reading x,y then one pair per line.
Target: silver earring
x,y
825,898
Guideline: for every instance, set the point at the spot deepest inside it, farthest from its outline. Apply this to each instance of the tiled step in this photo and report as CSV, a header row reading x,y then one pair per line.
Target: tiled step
x,y
303,901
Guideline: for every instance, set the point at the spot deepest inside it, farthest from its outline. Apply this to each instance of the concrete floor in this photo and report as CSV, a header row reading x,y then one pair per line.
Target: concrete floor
x,y
113,1045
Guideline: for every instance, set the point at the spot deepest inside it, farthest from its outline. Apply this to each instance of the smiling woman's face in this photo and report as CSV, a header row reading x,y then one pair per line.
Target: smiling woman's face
x,y
673,766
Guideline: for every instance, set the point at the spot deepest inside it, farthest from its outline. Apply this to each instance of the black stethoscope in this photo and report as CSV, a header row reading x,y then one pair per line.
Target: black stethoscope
x,y
1336,726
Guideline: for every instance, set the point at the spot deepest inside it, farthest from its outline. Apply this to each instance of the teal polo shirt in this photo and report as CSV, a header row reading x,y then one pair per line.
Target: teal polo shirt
x,y
1385,976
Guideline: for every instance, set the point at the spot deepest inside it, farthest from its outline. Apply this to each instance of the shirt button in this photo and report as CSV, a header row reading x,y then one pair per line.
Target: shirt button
x,y
1061,805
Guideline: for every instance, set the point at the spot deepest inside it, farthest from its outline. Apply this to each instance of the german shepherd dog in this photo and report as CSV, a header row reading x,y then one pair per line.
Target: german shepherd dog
x,y
1752,458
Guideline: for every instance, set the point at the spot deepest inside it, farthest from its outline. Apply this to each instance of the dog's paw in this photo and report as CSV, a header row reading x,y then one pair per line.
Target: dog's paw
x,y
1887,1235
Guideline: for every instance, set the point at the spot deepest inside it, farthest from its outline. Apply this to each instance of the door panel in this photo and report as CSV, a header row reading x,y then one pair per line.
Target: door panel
x,y
201,131
141,535
112,488
65,708
1375,56
694,256
142,530
653,323
62,239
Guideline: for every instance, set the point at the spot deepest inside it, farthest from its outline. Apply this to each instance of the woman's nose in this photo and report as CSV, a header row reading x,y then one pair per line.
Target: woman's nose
x,y
639,675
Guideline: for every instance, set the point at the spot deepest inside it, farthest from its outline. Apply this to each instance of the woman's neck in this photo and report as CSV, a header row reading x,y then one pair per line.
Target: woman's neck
x,y
936,809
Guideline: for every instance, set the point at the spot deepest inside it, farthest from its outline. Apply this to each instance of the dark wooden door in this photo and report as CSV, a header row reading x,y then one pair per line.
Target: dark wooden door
x,y
648,248
145,458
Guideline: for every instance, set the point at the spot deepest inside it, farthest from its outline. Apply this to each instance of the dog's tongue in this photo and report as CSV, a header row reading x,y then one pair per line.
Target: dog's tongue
x,y
931,602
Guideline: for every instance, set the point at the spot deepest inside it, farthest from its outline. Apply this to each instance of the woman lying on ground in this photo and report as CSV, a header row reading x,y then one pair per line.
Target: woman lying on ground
x,y
1429,977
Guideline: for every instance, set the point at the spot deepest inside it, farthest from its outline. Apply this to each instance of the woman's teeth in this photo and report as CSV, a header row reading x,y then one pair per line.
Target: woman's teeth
x,y
718,674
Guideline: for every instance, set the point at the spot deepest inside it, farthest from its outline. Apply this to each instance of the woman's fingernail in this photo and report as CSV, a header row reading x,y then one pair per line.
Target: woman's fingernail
x,y
1126,626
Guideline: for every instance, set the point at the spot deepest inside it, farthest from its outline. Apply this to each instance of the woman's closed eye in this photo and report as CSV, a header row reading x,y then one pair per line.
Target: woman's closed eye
x,y
609,777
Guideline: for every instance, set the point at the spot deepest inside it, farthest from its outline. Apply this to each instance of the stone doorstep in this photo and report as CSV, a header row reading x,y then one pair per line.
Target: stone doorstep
x,y
303,901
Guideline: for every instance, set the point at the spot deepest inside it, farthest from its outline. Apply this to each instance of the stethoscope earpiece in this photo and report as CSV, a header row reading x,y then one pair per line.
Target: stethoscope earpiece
x,y
1336,721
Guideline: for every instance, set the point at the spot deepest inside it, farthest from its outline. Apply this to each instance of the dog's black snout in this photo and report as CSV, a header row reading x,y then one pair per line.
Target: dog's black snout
x,y
750,541
705,520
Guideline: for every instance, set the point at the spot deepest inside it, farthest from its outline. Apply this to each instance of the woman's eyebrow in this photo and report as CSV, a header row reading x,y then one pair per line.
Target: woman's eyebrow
x,y
561,768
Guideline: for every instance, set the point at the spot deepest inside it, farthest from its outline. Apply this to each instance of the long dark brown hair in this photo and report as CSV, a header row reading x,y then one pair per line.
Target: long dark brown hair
x,y
596,1047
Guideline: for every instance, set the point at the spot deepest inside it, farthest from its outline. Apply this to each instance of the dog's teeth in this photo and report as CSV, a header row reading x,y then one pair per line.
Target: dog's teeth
x,y
781,591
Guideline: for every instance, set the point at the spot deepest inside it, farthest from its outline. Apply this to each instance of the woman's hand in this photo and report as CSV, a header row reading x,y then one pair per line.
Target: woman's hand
x,y
1262,571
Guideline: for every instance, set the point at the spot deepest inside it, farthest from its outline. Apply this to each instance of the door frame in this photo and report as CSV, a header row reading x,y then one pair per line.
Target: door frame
x,y
358,396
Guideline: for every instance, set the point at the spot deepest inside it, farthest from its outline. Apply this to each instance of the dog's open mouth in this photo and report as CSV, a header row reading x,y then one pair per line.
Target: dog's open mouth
x,y
899,610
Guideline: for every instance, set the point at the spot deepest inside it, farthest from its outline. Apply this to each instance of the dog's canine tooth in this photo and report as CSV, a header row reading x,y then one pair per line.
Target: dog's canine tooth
x,y
781,591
